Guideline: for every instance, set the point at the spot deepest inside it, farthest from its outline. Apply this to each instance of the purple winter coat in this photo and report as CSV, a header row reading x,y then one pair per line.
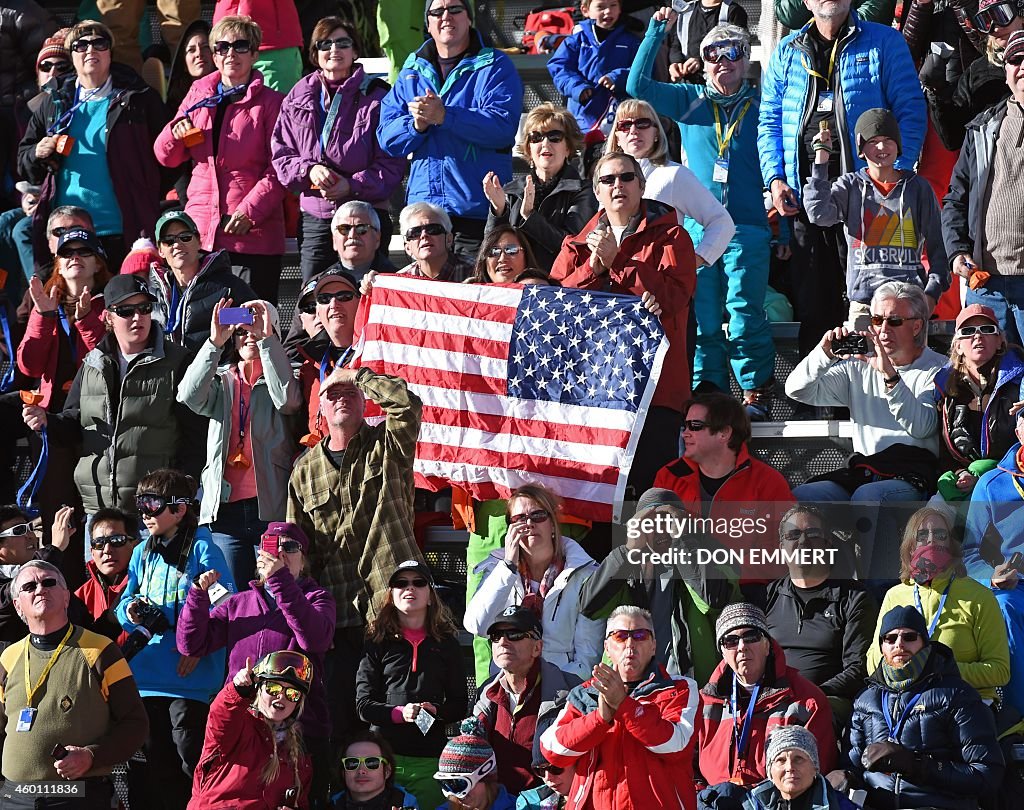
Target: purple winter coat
x,y
250,627
240,177
352,148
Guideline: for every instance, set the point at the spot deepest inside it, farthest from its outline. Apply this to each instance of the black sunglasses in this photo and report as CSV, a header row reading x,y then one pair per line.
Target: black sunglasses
x,y
794,535
909,636
893,320
152,505
238,46
433,229
344,43
694,425
551,135
48,66
554,770
512,635
36,584
171,238
324,299
83,252
438,13
97,43
609,179
128,311
115,540
402,584
508,250
361,230
732,642
309,308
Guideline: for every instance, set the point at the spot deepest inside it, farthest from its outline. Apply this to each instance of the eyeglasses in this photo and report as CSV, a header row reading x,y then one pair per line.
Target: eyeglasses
x,y
993,17
238,46
908,636
981,329
370,763
626,124
59,232
361,230
97,43
454,11
893,320
129,311
930,536
728,49
433,229
794,535
34,585
550,135
83,252
324,299
554,770
19,530
402,584
508,250
48,66
343,43
609,179
461,785
536,516
273,688
171,238
152,505
115,540
622,636
732,642
512,635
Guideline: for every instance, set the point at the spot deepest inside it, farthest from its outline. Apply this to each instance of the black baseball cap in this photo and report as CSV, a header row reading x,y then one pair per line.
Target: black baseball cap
x,y
520,618
125,286
86,237
411,567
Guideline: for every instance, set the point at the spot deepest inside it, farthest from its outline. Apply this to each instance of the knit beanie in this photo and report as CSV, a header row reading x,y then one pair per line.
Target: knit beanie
x,y
740,614
53,47
140,257
786,738
906,616
468,751
874,123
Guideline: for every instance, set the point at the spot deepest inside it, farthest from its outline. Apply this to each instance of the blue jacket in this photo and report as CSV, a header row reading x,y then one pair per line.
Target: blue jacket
x,y
581,60
874,68
538,798
400,797
693,108
995,518
150,576
503,801
483,100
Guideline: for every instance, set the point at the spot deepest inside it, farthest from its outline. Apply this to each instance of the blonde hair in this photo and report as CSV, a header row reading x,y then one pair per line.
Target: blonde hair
x,y
633,108
294,750
80,29
909,544
238,25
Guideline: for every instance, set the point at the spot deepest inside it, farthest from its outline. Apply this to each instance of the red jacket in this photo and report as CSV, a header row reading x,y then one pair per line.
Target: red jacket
x,y
279,21
237,747
644,759
786,698
100,598
657,258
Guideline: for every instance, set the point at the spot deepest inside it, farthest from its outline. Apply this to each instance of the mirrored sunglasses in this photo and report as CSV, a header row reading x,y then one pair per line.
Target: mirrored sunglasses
x,y
361,230
622,636
273,688
114,540
508,250
728,50
152,505
993,17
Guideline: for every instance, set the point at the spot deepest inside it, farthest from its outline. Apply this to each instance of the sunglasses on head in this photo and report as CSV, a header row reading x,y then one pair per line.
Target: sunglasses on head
x,y
626,124
128,311
727,50
63,229
48,66
173,238
361,230
908,636
433,229
892,320
512,635
97,43
344,296
438,13
238,46
38,584
731,642
536,516
550,135
273,688
981,329
402,584
995,17
609,179
508,250
343,43
370,763
152,505
622,636
694,425
19,530
82,252
115,540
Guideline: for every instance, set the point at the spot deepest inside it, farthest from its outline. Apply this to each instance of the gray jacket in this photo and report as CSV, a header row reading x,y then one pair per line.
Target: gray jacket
x,y
209,390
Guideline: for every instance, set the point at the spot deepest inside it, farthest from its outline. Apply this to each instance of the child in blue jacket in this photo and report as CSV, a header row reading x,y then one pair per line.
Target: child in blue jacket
x,y
591,65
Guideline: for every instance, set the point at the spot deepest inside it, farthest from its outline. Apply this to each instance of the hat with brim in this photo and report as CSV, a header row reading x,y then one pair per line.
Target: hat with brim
x,y
333,277
519,618
122,287
976,311
87,238
175,216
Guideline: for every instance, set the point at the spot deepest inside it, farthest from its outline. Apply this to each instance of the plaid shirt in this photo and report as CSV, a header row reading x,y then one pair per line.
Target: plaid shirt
x,y
359,518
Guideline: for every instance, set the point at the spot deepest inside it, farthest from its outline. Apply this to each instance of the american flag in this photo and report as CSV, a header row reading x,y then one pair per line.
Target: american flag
x,y
531,384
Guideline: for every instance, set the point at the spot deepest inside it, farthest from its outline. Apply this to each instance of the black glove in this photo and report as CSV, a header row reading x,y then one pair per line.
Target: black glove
x,y
889,757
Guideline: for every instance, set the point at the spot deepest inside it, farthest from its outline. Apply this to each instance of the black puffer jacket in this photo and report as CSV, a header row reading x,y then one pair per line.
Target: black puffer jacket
x,y
950,727
24,26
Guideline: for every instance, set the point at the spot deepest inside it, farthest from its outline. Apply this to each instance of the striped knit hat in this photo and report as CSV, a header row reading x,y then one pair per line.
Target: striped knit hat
x,y
740,614
465,753
786,738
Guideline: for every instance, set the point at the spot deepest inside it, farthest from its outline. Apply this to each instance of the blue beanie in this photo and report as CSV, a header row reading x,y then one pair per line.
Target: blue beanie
x,y
905,616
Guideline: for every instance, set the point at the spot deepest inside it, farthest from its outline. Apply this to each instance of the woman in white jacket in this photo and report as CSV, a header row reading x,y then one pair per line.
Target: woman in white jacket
x,y
542,570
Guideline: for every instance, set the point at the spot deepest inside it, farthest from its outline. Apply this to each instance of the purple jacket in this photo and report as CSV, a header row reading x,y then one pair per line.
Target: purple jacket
x,y
250,626
352,147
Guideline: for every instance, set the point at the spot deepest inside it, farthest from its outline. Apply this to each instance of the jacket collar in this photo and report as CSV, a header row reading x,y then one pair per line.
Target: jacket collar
x,y
107,348
773,681
684,466
207,85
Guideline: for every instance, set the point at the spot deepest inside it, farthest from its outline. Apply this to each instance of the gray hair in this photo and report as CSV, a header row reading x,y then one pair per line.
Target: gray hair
x,y
73,211
423,209
356,208
49,568
631,611
727,31
911,293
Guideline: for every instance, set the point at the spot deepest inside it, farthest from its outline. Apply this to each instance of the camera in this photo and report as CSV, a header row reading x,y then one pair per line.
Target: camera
x,y
152,622
850,345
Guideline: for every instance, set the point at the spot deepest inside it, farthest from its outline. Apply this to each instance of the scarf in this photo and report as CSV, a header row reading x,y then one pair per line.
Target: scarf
x,y
542,189
928,562
899,679
534,600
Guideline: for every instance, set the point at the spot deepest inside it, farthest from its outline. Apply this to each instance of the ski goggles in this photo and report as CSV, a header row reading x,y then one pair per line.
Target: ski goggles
x,y
731,50
460,785
993,17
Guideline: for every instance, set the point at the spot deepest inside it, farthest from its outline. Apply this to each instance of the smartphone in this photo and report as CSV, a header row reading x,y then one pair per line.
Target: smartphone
x,y
59,752
235,316
850,345
271,545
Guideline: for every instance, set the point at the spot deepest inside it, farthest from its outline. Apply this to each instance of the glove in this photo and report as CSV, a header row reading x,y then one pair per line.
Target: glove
x,y
888,757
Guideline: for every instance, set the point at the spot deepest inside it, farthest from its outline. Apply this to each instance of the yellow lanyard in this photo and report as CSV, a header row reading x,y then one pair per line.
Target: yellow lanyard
x,y
723,143
1020,491
831,66
30,693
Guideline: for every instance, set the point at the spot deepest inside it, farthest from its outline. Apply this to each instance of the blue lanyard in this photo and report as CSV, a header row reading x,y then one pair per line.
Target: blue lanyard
x,y
65,324
217,98
332,115
8,379
325,362
29,490
942,603
172,316
64,122
894,731
744,736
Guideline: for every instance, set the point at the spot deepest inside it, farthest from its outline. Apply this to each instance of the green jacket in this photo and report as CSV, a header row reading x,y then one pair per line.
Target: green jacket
x,y
794,14
209,390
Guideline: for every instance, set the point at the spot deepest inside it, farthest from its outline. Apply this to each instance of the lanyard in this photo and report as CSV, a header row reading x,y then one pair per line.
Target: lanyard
x,y
176,300
942,603
65,324
743,738
8,379
831,66
723,143
30,692
27,494
217,98
326,363
894,731
64,122
332,116
243,409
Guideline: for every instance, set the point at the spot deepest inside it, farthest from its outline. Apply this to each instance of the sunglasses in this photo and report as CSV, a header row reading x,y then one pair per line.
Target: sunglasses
x,y
97,43
609,179
83,252
59,232
273,688
728,50
343,43
289,546
508,250
20,530
438,13
128,311
34,585
732,642
694,425
152,505
115,540
908,636
370,763
361,230
622,636
995,17
551,135
512,635
626,124
892,320
402,584
929,536
238,46
1015,60
324,299
794,535
433,229
554,770
536,516
48,66
173,238
309,308
982,329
